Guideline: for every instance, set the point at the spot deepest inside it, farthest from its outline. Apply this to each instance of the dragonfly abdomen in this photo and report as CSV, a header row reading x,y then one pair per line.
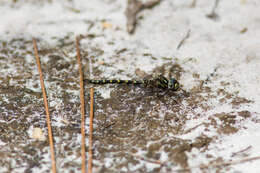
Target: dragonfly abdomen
x,y
113,81
157,82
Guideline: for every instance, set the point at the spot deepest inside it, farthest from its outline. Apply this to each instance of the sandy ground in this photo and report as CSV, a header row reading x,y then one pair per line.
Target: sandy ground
x,y
215,128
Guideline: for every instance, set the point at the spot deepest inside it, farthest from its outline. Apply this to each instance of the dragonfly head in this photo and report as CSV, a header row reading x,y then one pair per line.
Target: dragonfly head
x,y
173,84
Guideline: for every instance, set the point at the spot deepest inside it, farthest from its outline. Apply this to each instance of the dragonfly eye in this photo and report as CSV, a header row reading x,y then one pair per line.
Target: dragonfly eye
x,y
173,84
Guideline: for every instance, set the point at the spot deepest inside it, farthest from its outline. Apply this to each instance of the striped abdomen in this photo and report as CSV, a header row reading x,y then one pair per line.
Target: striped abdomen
x,y
113,81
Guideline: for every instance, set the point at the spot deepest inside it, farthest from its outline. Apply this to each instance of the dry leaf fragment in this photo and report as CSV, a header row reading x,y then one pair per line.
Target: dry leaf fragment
x,y
38,134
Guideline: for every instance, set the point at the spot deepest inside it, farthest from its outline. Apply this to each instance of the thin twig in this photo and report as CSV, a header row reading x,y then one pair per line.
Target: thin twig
x,y
213,15
241,151
184,39
83,156
193,128
91,129
133,8
149,160
46,106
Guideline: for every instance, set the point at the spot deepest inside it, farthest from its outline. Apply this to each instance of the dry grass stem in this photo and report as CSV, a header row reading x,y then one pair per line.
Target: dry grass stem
x,y
46,106
91,129
83,156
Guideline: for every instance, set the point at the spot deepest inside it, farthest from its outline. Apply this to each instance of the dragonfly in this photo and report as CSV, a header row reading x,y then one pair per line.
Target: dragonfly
x,y
157,82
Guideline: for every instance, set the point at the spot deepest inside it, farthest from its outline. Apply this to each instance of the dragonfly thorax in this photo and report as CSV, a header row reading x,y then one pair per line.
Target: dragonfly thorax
x,y
173,84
